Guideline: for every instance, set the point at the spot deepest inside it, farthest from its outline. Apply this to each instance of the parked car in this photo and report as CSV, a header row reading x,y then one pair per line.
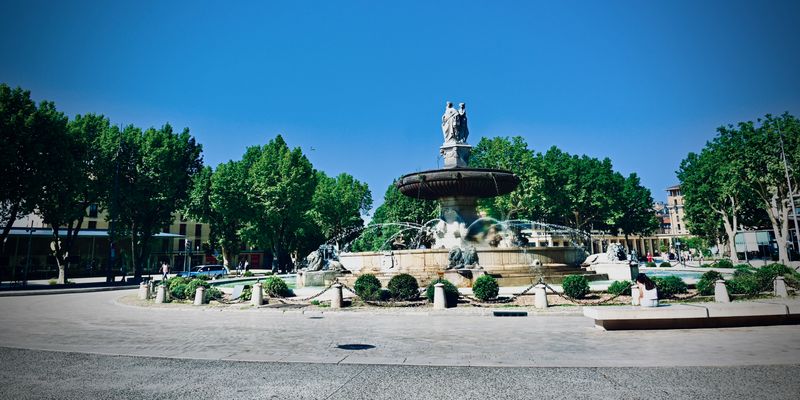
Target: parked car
x,y
214,271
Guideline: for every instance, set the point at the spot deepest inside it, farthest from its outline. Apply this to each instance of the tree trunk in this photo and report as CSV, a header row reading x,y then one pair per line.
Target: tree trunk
x,y
779,218
731,224
12,216
228,256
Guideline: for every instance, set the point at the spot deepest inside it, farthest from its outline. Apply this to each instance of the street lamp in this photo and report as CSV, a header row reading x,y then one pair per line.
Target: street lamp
x,y
678,249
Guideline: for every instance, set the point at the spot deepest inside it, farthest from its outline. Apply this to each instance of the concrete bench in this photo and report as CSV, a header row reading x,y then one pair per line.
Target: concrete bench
x,y
699,315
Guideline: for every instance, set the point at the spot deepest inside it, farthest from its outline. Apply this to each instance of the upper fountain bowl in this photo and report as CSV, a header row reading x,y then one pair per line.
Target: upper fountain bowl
x,y
462,182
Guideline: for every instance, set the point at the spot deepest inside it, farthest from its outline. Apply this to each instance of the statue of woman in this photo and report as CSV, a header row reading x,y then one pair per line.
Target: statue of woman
x,y
462,131
449,121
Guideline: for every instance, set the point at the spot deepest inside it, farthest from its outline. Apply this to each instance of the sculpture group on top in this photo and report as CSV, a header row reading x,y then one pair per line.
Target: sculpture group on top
x,y
454,124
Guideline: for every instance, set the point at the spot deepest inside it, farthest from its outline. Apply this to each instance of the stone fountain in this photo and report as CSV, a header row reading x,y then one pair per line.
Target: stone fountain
x,y
458,251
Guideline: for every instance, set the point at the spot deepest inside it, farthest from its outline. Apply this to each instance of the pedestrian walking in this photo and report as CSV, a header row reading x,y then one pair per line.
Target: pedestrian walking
x,y
164,271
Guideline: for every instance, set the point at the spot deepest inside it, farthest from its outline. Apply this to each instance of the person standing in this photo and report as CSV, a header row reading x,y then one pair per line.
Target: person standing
x,y
649,257
164,271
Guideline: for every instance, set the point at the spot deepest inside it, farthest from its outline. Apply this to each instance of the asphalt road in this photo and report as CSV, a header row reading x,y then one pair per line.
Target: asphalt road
x,y
33,374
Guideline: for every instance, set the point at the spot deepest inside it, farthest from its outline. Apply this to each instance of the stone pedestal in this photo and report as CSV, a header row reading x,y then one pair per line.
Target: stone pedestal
x,y
336,301
316,278
463,277
539,296
721,292
161,294
455,155
258,295
439,301
144,291
198,296
780,288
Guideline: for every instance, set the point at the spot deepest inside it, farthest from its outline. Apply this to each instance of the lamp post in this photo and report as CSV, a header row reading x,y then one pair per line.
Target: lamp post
x,y
678,249
28,257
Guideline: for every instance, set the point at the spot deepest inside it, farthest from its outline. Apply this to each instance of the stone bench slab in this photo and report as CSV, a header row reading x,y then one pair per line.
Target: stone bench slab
x,y
700,315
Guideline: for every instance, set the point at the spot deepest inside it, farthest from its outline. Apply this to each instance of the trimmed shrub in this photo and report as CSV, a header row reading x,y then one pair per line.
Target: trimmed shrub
x,y
403,287
178,291
620,288
669,286
743,269
650,264
247,273
276,287
203,277
724,264
174,281
212,294
575,286
665,264
247,293
450,292
192,286
766,275
745,283
485,287
368,287
706,283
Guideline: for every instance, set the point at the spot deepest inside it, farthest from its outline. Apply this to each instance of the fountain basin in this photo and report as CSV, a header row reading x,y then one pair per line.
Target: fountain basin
x,y
458,182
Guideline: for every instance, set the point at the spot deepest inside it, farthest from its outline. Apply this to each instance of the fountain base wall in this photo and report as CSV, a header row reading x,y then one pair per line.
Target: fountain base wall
x,y
511,266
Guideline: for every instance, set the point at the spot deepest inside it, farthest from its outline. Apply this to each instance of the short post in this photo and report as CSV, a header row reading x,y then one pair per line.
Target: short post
x,y
439,301
539,296
635,295
780,287
198,296
144,291
151,288
258,295
721,292
161,294
336,301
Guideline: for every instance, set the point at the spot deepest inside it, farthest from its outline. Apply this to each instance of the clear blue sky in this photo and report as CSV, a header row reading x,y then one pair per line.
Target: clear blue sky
x,y
361,86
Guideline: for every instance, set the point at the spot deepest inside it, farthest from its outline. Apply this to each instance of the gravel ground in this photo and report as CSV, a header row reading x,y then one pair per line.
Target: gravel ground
x,y
32,374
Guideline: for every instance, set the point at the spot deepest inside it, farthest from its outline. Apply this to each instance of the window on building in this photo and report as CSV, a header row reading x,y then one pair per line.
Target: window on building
x,y
181,245
91,212
92,225
679,227
675,201
182,230
198,231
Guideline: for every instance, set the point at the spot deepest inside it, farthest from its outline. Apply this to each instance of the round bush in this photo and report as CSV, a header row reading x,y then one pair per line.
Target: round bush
x,y
745,283
650,264
450,292
669,286
178,291
724,264
403,287
485,287
705,285
247,293
211,294
575,286
620,288
766,275
368,287
665,264
275,287
192,286
175,281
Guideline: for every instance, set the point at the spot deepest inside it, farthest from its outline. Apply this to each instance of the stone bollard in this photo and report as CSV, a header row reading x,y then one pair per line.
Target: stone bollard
x,y
144,291
780,288
439,301
198,296
539,296
721,292
258,295
161,294
336,301
635,295
151,288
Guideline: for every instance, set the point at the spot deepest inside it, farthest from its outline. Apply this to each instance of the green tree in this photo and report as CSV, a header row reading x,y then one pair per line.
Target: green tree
x,y
338,204
511,154
153,174
21,147
219,198
634,214
765,171
69,176
282,182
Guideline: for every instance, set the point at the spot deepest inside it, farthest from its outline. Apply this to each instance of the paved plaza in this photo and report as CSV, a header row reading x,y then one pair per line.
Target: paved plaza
x,y
154,348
